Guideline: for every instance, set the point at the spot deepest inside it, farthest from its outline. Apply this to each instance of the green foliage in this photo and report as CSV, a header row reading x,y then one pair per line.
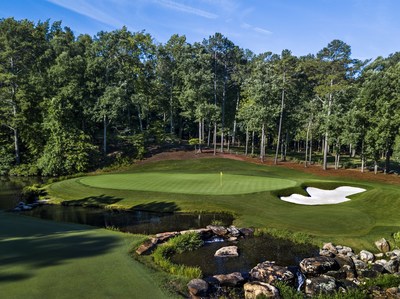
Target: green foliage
x,y
287,292
178,244
32,193
296,237
396,237
349,294
6,160
24,170
383,281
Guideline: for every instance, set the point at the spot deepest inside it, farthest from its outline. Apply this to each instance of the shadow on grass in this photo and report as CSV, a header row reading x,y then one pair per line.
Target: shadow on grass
x,y
36,253
157,206
93,201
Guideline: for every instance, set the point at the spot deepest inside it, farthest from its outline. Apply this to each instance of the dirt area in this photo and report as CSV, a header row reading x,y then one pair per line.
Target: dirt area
x,y
313,169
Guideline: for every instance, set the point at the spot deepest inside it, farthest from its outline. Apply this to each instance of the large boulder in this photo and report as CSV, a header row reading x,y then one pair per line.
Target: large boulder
x,y
147,246
320,285
233,231
366,256
318,265
230,280
197,288
269,272
227,251
163,237
254,289
330,247
392,266
218,230
382,245
246,231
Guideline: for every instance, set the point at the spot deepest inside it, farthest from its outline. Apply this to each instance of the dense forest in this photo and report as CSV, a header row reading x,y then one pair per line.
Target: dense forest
x,y
70,104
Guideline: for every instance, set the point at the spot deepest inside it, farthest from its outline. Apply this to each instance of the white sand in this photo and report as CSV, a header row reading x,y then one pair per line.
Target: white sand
x,y
323,197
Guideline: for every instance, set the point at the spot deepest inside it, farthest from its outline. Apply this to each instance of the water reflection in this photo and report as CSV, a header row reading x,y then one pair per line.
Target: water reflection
x,y
252,250
140,222
10,190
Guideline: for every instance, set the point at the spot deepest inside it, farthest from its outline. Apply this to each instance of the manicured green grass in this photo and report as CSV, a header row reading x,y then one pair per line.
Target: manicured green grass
x,y
187,183
43,259
358,223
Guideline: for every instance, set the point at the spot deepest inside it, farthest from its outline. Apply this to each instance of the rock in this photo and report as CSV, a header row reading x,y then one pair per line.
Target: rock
x,y
197,288
371,272
318,265
163,237
246,231
330,247
230,280
392,293
382,245
359,264
218,230
269,272
233,231
345,250
366,256
379,255
254,289
395,252
326,252
147,246
320,285
346,265
392,266
227,251
232,239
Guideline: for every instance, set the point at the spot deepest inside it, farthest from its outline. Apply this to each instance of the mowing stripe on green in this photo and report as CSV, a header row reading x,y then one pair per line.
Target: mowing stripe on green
x,y
205,184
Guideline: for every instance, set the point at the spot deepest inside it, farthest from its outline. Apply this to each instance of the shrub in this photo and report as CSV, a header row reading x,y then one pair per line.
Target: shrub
x,y
32,193
179,244
396,237
24,170
383,281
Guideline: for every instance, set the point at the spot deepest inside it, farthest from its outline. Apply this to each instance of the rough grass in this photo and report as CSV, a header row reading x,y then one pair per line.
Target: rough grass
x,y
367,217
42,259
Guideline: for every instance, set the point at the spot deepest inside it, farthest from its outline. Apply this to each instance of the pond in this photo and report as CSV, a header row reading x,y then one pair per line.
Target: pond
x,y
138,222
10,190
252,250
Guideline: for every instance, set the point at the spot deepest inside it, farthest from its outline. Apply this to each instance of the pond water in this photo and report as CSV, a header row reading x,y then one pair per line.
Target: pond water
x,y
138,222
252,250
10,190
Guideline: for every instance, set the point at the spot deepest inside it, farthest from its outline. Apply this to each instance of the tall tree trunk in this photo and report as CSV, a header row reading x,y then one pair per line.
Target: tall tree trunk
x,y
252,143
209,134
262,147
311,143
222,142
215,138
200,136
325,163
171,111
307,135
375,167
387,161
362,156
104,134
234,120
247,140
140,118
280,122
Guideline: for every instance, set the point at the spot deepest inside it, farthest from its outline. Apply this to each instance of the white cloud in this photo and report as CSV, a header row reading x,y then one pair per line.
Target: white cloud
x,y
261,30
187,9
92,11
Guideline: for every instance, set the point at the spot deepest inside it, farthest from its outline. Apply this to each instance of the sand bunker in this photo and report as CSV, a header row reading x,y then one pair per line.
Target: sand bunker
x,y
323,197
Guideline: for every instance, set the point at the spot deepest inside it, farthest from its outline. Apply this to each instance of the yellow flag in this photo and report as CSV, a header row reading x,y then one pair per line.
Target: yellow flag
x,y
221,173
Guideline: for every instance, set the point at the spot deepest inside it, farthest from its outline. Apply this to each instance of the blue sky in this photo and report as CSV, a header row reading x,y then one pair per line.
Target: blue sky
x,y
370,27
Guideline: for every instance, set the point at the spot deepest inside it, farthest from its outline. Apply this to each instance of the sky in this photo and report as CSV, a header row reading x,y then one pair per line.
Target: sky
x,y
370,27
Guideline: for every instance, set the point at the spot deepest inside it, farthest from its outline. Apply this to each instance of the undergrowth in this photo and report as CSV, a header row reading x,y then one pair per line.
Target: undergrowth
x,y
176,245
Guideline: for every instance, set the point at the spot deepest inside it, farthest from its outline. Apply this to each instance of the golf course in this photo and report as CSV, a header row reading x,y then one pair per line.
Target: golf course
x,y
65,260
248,191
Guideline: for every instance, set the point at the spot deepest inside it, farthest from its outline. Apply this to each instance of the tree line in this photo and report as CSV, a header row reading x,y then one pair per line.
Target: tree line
x,y
67,103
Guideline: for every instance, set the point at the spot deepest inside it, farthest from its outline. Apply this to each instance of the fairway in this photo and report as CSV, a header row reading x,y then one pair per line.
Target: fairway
x,y
201,184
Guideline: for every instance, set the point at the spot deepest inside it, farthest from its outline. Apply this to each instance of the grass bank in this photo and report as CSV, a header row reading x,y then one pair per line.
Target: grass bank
x,y
44,259
357,223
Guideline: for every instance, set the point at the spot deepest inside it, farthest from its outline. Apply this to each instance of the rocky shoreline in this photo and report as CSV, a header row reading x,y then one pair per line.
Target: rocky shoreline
x,y
336,269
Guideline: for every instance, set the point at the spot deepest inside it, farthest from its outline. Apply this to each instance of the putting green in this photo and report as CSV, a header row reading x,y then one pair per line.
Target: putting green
x,y
205,184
